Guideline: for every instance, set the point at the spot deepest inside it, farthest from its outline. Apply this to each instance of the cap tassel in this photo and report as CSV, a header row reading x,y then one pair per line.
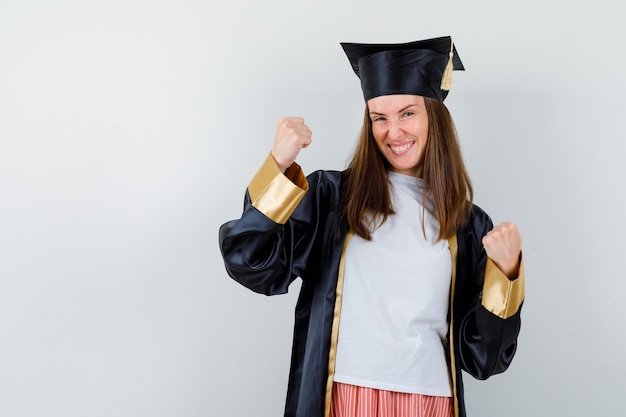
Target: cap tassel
x,y
446,80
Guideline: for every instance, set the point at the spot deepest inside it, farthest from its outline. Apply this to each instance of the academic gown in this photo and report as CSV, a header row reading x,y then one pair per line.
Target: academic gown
x,y
291,227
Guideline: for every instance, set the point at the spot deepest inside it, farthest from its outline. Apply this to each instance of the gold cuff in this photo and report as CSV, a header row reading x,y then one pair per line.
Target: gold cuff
x,y
502,296
277,195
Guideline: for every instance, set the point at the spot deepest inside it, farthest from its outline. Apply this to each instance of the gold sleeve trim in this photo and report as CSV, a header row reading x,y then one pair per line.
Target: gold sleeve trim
x,y
277,195
501,296
454,250
334,335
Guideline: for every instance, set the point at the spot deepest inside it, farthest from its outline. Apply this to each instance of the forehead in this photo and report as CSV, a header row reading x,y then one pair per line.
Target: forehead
x,y
393,103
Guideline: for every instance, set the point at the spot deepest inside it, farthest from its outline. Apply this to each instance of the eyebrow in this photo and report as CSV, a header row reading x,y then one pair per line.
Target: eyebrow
x,y
399,111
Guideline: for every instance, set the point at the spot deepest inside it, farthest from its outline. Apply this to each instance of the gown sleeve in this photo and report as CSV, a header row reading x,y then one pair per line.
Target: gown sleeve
x,y
263,248
490,319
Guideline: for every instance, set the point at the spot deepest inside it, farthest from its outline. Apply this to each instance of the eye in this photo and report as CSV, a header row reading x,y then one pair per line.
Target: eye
x,y
378,119
408,113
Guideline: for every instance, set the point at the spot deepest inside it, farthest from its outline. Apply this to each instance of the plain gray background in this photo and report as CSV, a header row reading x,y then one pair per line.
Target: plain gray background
x,y
130,129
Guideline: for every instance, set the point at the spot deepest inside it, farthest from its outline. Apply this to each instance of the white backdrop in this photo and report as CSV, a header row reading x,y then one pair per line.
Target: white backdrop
x,y
130,129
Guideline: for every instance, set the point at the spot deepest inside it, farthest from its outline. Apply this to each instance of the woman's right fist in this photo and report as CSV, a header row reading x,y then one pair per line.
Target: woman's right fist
x,y
291,136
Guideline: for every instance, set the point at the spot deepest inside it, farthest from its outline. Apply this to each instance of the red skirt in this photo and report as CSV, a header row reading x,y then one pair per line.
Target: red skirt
x,y
354,401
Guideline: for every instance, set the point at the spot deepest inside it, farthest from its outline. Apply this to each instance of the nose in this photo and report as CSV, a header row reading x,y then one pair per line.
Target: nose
x,y
395,130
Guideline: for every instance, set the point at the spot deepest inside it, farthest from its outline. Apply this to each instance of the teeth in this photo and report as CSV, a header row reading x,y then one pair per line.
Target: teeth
x,y
402,148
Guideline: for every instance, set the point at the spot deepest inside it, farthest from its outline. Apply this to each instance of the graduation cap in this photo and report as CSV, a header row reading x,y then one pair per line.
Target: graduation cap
x,y
422,68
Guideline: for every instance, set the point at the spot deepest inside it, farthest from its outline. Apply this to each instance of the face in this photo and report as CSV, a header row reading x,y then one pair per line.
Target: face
x,y
400,128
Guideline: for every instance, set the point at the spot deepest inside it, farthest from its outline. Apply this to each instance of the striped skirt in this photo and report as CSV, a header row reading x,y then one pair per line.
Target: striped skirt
x,y
354,401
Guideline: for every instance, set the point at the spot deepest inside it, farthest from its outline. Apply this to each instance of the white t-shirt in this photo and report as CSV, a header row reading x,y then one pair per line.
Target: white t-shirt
x,y
394,310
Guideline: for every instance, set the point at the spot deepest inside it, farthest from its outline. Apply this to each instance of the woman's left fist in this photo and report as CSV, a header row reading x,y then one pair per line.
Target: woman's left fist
x,y
503,245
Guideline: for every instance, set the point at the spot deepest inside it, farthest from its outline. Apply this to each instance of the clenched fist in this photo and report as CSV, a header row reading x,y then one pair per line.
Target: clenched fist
x,y
503,245
291,136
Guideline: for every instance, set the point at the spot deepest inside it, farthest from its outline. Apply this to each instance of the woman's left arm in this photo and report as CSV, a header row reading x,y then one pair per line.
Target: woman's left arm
x,y
489,328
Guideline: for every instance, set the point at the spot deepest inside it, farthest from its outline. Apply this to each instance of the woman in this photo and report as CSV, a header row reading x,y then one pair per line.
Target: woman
x,y
404,281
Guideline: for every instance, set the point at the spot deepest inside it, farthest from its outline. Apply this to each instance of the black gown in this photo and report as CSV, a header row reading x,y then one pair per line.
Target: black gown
x,y
290,227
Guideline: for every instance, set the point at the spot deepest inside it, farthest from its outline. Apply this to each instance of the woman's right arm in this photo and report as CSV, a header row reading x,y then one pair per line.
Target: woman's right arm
x,y
260,248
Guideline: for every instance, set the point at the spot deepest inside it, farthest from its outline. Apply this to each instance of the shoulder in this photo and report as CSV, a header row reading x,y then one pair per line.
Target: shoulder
x,y
478,224
478,215
323,197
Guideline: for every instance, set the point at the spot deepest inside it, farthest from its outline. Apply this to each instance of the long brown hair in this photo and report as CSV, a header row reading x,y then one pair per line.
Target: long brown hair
x,y
365,194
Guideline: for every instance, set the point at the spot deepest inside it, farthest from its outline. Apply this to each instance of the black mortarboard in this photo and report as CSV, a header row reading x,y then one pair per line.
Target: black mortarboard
x,y
422,68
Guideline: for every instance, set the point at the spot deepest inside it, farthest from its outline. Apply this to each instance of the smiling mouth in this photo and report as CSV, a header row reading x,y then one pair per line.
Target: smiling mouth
x,y
401,148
